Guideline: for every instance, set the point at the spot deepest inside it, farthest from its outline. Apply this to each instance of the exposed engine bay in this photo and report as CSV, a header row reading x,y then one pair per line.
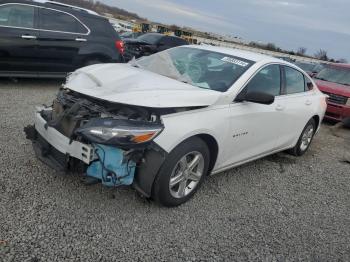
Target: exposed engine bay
x,y
72,110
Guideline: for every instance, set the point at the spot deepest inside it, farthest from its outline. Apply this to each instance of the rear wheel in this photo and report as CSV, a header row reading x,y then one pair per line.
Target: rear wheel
x,y
305,139
182,173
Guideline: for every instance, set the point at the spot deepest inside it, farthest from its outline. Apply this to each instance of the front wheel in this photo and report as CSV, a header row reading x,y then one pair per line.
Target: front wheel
x,y
182,173
305,139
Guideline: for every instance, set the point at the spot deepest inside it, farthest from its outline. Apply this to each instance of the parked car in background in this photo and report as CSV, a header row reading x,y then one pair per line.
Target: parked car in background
x,y
317,69
164,122
131,35
150,43
311,68
334,80
49,39
307,67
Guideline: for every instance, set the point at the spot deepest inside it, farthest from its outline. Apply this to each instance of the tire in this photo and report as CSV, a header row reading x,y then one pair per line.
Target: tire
x,y
346,122
175,183
305,139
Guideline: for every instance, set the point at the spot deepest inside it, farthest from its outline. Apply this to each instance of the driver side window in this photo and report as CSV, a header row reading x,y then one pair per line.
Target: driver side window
x,y
267,80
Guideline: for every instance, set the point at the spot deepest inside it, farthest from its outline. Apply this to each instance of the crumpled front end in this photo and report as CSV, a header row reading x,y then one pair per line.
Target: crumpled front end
x,y
108,142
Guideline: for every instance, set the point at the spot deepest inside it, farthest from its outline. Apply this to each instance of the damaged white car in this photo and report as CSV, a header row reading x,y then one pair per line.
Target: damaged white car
x,y
164,122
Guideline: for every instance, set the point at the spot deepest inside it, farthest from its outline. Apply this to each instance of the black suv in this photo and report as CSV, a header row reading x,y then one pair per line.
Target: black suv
x,y
50,39
150,43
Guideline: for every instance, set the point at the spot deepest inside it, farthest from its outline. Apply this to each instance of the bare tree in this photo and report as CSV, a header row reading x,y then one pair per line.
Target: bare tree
x,y
321,54
271,46
301,51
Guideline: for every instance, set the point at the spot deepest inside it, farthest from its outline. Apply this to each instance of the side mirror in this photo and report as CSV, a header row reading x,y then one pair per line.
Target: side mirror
x,y
256,97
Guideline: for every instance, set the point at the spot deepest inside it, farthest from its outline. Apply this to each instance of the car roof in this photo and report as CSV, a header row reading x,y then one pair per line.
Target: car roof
x,y
159,34
341,65
57,5
256,57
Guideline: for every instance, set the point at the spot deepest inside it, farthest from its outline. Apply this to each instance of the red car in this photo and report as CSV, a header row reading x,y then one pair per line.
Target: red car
x,y
334,80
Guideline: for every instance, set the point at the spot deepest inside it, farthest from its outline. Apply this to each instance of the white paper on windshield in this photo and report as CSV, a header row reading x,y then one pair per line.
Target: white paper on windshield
x,y
234,61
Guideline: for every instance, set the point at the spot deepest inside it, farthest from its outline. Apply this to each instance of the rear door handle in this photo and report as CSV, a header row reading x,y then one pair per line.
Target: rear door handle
x,y
80,39
29,37
279,108
308,102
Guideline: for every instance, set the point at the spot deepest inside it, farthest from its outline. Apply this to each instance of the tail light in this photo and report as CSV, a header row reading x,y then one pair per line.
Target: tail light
x,y
120,46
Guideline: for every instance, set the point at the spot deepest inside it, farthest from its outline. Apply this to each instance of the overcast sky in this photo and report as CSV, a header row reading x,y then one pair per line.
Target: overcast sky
x,y
290,24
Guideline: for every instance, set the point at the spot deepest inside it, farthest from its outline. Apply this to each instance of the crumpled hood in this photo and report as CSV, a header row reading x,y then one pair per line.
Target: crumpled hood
x,y
125,84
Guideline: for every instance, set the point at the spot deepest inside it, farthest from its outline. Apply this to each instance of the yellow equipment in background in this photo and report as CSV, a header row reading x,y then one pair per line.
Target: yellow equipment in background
x,y
163,30
142,28
188,36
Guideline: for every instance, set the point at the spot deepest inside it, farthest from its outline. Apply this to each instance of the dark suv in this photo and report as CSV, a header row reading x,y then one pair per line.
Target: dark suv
x,y
150,43
50,39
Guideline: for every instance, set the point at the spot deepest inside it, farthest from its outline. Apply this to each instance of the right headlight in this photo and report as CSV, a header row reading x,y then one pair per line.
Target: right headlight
x,y
110,131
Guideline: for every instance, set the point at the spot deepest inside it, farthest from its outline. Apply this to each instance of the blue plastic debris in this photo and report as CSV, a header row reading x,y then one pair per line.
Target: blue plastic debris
x,y
111,168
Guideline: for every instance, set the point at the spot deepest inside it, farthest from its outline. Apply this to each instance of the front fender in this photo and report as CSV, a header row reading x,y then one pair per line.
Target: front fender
x,y
178,127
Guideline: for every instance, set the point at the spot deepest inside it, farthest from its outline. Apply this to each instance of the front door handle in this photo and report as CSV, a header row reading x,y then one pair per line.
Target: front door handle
x,y
308,102
29,37
279,108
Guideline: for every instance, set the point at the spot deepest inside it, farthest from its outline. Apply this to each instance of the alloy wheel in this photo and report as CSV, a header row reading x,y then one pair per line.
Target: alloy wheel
x,y
186,174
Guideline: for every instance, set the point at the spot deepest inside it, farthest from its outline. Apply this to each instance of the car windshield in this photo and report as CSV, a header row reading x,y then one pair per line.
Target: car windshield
x,y
318,68
306,66
335,74
200,68
150,38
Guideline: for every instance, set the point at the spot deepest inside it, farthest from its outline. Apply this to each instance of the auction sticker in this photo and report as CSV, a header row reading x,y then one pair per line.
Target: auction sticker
x,y
235,61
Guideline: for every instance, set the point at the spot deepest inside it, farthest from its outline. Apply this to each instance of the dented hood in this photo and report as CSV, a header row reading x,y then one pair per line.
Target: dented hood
x,y
125,84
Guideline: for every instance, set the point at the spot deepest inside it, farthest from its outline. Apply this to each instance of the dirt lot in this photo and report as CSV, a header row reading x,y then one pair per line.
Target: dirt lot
x,y
279,208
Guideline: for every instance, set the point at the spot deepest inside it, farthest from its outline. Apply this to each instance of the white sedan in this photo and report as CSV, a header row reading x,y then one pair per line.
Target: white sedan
x,y
164,122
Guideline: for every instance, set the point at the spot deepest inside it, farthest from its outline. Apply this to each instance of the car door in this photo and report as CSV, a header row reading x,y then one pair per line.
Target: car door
x,y
295,104
18,41
61,37
255,127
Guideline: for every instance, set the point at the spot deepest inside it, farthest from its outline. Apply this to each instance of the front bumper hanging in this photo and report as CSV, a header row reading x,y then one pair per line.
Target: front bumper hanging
x,y
105,163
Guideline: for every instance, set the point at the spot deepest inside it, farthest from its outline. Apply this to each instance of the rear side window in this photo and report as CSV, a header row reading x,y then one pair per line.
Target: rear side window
x,y
17,16
180,41
173,41
169,41
295,82
267,80
58,21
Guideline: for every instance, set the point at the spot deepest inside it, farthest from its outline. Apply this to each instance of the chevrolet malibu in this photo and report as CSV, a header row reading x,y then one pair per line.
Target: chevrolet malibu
x,y
164,122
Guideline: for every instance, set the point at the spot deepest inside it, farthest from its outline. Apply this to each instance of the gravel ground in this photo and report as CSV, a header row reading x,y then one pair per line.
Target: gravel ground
x,y
279,208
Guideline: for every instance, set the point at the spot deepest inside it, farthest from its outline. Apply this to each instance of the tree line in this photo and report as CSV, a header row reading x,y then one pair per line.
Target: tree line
x,y
121,13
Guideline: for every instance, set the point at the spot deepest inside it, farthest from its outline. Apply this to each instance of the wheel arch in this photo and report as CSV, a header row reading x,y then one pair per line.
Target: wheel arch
x,y
213,147
317,121
212,144
146,173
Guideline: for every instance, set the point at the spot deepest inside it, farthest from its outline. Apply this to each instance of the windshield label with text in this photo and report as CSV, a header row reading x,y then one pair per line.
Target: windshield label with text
x,y
234,61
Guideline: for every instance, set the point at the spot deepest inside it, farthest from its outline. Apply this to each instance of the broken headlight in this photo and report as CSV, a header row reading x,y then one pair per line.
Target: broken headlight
x,y
110,131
